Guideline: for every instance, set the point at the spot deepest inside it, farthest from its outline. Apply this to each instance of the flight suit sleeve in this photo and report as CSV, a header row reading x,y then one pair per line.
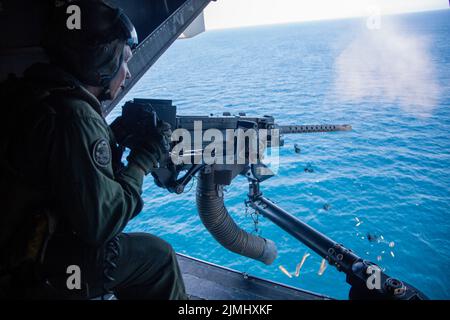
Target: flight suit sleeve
x,y
96,202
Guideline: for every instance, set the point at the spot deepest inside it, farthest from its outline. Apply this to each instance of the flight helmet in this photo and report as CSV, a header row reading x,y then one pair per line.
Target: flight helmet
x,y
91,49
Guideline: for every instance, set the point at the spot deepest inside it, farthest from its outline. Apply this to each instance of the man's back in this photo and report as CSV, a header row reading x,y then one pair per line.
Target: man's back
x,y
68,196
62,172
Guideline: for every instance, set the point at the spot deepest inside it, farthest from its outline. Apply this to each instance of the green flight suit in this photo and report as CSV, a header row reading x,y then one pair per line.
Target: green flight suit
x,y
73,167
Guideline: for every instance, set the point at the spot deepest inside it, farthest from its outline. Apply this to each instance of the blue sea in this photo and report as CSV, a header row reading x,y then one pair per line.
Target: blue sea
x,y
388,178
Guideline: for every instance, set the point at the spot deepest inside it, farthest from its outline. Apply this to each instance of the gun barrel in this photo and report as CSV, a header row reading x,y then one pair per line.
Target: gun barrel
x,y
320,243
314,128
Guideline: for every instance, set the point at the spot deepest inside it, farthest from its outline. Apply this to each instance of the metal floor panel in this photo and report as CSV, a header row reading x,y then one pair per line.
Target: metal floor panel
x,y
207,281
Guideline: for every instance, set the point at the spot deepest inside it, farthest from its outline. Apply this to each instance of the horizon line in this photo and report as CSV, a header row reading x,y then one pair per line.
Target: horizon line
x,y
321,19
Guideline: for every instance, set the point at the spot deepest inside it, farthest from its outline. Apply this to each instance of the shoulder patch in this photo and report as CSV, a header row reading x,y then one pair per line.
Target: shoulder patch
x,y
101,153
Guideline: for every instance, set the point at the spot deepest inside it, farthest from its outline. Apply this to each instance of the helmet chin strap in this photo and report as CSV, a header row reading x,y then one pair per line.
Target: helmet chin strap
x,y
105,95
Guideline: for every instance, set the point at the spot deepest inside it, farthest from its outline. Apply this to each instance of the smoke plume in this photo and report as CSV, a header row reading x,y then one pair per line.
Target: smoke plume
x,y
388,66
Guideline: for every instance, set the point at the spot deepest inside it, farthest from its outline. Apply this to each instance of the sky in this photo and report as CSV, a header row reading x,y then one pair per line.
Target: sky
x,y
239,13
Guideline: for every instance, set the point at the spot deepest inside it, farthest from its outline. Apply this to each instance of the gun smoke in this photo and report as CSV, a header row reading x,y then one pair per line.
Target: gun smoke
x,y
388,66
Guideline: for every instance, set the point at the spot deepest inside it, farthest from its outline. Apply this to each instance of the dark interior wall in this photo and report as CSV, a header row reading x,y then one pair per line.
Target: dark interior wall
x,y
23,23
148,14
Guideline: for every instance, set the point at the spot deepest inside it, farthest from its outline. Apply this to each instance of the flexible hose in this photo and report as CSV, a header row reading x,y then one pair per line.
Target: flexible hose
x,y
217,220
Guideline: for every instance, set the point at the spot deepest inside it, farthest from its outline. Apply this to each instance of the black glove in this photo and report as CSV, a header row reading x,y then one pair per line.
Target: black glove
x,y
152,150
148,137
145,157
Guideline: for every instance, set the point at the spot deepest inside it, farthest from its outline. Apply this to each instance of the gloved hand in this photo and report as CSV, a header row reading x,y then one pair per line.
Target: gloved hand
x,y
152,150
145,157
148,137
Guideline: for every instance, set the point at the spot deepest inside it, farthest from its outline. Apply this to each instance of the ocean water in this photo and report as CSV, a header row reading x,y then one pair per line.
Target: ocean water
x,y
391,173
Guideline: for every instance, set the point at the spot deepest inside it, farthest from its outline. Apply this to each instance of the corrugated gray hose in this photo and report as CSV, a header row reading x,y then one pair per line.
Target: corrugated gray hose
x,y
217,220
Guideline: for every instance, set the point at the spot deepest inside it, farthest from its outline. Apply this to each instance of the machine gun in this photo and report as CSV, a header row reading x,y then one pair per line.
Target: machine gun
x,y
366,278
167,176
